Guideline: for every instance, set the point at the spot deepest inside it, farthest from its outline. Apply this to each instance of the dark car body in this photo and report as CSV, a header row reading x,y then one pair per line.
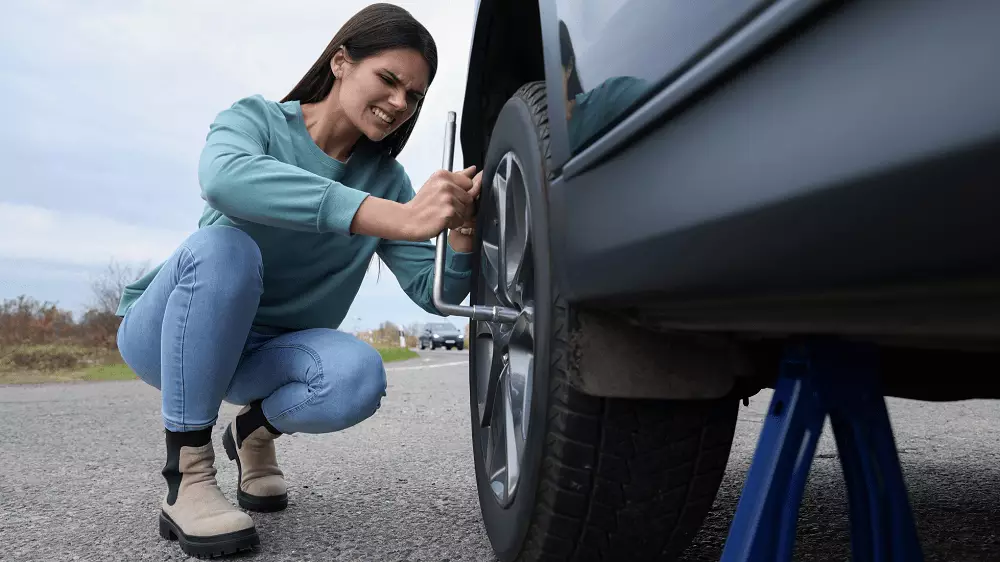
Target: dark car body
x,y
441,334
705,184
764,168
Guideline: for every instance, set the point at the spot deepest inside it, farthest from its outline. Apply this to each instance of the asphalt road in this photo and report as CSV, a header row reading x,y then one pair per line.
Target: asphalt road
x,y
80,478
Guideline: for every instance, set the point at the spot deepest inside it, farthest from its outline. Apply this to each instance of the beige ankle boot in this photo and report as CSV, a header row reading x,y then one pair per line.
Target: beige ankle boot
x,y
194,511
261,482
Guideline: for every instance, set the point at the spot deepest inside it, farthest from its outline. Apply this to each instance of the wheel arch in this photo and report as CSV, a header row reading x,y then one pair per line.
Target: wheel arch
x,y
507,52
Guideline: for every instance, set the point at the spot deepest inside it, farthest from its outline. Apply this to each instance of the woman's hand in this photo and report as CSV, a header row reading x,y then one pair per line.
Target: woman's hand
x,y
463,239
446,200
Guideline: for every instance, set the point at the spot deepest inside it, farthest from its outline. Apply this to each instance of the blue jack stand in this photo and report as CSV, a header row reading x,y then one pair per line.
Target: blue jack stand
x,y
820,378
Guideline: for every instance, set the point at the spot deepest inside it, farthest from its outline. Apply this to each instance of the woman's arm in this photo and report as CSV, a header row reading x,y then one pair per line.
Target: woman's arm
x,y
239,179
412,263
445,201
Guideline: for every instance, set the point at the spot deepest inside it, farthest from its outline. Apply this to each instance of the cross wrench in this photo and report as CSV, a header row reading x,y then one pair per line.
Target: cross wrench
x,y
499,314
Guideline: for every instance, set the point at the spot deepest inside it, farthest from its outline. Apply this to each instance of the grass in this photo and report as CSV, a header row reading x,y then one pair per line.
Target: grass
x,y
37,364
390,354
107,372
118,372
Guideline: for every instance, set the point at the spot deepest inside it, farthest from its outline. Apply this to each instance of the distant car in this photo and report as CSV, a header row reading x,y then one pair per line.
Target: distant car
x,y
673,190
441,334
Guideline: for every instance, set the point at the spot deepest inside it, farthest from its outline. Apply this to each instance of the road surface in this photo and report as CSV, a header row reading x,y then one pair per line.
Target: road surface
x,y
81,481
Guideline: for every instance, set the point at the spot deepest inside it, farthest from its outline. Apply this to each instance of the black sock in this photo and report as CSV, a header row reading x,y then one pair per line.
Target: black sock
x,y
248,422
178,439
171,469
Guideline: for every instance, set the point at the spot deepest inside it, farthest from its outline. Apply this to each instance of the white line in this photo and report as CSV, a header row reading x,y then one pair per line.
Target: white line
x,y
391,369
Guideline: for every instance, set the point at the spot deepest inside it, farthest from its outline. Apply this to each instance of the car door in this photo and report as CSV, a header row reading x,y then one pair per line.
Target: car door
x,y
616,70
605,57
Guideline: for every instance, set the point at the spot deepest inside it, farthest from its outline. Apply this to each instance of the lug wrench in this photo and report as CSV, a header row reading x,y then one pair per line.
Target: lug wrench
x,y
477,312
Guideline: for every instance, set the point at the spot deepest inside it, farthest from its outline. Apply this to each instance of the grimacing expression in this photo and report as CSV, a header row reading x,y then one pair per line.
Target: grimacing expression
x,y
381,92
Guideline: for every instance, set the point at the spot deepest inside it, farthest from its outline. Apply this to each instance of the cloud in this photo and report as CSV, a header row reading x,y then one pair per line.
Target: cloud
x,y
28,232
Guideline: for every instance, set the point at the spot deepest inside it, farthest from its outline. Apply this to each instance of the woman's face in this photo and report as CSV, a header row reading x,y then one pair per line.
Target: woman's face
x,y
380,93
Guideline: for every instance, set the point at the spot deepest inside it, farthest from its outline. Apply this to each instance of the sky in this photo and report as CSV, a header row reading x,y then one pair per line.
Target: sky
x,y
107,105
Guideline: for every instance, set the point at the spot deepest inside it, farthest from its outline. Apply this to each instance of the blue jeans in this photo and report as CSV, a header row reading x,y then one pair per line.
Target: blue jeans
x,y
191,336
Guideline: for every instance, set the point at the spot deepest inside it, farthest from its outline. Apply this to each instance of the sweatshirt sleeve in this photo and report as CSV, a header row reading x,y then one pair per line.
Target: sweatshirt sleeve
x,y
413,265
239,179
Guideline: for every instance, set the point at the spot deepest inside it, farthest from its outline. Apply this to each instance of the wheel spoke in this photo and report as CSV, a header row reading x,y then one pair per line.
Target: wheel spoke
x,y
483,329
521,335
488,451
496,466
507,182
511,435
490,376
519,383
496,371
497,453
500,195
484,351
491,271
515,237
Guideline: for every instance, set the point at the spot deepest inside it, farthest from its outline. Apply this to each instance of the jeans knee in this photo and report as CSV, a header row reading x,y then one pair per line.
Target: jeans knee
x,y
354,391
231,259
370,379
144,365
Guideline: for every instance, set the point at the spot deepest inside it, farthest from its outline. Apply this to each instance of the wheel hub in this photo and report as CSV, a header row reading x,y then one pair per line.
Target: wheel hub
x,y
505,351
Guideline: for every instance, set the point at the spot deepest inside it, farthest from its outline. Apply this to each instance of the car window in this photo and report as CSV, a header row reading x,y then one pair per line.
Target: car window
x,y
615,52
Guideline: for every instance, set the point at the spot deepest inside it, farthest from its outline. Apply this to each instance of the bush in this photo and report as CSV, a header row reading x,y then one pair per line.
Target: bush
x,y
101,329
44,357
25,320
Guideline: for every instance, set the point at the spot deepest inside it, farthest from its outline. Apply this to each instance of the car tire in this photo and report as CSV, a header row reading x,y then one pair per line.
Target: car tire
x,y
601,478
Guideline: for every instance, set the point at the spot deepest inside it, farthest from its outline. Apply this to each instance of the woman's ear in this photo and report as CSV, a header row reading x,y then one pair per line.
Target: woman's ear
x,y
338,62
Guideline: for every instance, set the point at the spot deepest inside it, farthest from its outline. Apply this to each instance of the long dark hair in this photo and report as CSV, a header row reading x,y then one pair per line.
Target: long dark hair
x,y
377,28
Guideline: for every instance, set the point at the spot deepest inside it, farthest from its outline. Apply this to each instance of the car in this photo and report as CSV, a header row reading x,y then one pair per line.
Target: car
x,y
675,190
441,334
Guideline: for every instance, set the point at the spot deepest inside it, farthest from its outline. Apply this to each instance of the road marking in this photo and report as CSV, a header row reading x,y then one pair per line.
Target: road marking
x,y
391,369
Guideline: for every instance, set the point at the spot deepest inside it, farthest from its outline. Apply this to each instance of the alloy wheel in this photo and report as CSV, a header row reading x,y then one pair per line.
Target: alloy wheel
x,y
505,352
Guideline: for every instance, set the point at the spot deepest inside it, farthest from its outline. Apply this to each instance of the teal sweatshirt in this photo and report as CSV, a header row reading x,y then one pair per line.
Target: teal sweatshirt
x,y
261,172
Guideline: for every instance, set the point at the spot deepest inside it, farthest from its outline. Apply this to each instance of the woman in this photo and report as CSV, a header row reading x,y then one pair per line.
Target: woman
x,y
300,195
